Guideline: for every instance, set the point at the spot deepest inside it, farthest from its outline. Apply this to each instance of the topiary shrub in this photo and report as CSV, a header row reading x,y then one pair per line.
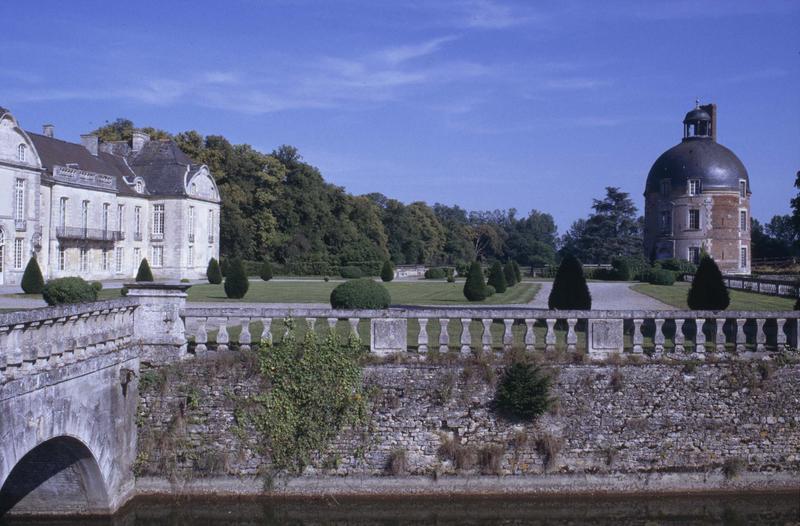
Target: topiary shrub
x,y
236,282
68,290
679,265
32,279
350,272
361,293
708,290
621,269
490,291
97,286
214,272
570,291
387,271
475,287
517,271
660,276
497,278
435,273
144,273
462,268
523,392
266,271
510,275
451,276
224,265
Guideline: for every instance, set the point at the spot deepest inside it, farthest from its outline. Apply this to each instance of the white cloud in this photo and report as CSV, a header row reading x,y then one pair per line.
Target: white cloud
x,y
399,54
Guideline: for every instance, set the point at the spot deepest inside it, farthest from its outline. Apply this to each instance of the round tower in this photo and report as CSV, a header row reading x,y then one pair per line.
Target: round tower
x,y
697,199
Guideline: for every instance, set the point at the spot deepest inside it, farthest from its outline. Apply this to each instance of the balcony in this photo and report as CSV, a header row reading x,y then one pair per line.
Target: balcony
x,y
20,225
88,234
157,236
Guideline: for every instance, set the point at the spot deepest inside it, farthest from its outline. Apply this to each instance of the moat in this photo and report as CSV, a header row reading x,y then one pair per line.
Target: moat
x,y
729,509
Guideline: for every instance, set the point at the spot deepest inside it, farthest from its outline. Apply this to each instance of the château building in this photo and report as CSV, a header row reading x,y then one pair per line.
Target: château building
x,y
697,198
97,209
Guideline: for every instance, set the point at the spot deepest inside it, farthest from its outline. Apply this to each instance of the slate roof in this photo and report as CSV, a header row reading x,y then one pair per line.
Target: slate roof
x,y
163,167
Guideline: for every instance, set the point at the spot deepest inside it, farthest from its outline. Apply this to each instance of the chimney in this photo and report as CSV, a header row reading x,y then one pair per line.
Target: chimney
x,y
138,141
48,130
90,142
711,109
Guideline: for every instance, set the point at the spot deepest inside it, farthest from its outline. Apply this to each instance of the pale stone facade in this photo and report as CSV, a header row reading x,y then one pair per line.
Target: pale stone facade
x,y
96,209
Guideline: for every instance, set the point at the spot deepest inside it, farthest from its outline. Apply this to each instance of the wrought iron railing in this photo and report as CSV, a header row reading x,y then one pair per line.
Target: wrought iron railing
x,y
89,234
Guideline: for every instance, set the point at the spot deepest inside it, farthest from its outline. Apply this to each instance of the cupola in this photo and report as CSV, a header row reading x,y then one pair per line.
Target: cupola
x,y
697,124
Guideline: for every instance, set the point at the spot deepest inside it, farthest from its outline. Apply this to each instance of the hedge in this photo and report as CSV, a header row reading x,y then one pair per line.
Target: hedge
x,y
351,272
659,276
69,290
361,293
436,273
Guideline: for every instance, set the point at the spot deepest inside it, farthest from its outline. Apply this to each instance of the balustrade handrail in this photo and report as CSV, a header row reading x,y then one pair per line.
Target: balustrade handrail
x,y
63,311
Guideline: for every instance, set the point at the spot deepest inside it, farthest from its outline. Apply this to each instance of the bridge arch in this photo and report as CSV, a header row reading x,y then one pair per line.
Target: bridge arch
x,y
58,474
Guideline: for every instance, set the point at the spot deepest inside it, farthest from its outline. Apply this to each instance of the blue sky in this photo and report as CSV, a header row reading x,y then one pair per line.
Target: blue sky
x,y
482,103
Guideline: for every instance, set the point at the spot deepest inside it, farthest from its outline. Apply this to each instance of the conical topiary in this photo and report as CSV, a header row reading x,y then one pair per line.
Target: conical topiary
x,y
144,273
708,290
213,272
387,272
517,271
570,291
236,282
266,271
475,287
497,278
511,276
32,279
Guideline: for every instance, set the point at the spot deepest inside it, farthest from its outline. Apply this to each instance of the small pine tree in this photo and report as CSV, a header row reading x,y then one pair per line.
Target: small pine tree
x,y
570,291
708,291
266,271
32,279
511,276
236,282
523,393
517,271
497,278
475,287
144,273
213,272
387,272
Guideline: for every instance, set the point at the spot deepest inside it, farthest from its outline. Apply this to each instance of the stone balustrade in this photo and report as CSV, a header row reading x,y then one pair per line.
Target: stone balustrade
x,y
770,287
41,339
679,334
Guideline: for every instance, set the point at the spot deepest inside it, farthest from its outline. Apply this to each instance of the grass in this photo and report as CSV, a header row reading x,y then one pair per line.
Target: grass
x,y
675,295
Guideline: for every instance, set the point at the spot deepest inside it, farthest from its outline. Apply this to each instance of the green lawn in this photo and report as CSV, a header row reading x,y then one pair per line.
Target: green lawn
x,y
675,295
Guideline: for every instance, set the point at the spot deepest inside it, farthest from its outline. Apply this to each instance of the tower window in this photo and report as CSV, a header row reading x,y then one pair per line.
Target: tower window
x,y
694,219
694,186
742,188
666,222
666,187
743,257
743,220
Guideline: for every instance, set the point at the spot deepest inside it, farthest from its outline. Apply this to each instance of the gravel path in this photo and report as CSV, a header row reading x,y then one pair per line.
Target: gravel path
x,y
607,296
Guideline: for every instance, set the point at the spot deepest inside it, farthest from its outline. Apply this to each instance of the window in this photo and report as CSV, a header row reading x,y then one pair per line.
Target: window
x,y
742,188
194,188
743,220
139,187
158,220
694,219
694,186
666,221
666,187
19,200
2,249
191,224
62,258
137,221
105,216
137,257
743,257
190,257
119,256
210,226
694,255
105,259
21,150
158,256
19,246
62,212
120,216
84,260
85,215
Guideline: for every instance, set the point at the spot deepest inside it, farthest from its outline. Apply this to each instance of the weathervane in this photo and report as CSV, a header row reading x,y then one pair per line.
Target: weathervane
x,y
697,102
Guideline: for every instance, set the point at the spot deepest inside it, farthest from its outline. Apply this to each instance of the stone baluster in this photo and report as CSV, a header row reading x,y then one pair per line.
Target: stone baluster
x,y
720,335
266,331
761,336
700,337
222,336
466,337
331,324
311,323
444,336
486,337
422,339
530,336
245,338
741,339
508,335
572,336
658,337
780,342
638,338
201,337
550,336
680,339
354,327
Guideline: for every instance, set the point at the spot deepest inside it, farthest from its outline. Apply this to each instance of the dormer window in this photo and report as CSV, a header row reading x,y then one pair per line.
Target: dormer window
x,y
21,153
139,187
694,186
194,189
666,187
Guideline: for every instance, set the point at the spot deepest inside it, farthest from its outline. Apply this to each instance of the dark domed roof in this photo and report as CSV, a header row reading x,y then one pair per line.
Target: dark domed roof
x,y
696,115
717,167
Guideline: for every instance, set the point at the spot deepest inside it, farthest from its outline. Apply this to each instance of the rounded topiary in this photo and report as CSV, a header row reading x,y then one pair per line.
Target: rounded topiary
x,y
144,273
661,276
387,272
451,276
214,272
68,290
570,291
266,271
510,275
350,272
361,293
497,278
475,287
523,392
32,279
97,286
236,282
708,290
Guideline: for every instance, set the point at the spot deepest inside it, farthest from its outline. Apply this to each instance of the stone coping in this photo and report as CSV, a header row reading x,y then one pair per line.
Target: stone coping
x,y
64,311
158,285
